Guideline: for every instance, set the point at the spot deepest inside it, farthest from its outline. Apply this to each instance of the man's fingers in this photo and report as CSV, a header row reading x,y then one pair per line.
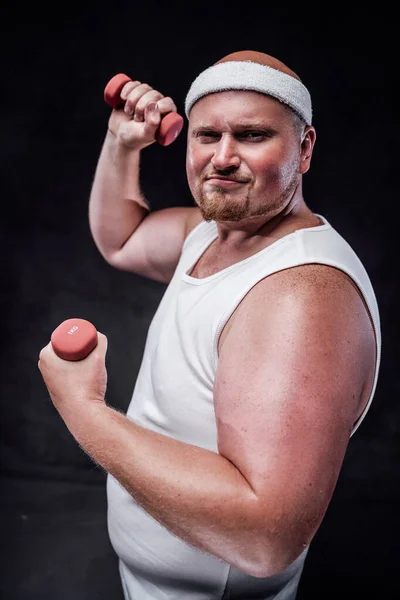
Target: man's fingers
x,y
152,117
43,350
137,124
134,96
145,100
128,88
102,342
166,105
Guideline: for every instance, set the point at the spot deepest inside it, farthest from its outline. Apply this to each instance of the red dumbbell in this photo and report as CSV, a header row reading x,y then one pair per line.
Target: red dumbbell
x,y
171,125
74,339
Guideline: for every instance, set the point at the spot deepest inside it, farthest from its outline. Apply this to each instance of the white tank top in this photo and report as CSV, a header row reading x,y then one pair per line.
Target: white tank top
x,y
173,395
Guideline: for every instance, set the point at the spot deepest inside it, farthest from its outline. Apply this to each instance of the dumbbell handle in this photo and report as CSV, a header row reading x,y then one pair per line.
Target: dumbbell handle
x,y
171,125
74,339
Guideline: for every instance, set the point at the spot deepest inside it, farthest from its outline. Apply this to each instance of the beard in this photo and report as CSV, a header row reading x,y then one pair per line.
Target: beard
x,y
219,205
222,205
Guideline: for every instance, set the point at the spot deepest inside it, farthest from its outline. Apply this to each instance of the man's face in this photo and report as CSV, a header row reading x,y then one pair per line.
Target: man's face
x,y
243,155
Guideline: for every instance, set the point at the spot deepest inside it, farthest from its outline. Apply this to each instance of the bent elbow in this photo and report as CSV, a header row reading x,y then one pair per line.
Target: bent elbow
x,y
273,563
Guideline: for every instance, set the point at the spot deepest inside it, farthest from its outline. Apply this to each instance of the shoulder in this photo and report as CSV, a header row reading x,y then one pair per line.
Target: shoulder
x,y
313,282
194,217
314,310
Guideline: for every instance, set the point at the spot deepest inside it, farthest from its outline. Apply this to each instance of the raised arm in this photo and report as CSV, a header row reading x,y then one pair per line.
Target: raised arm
x,y
127,235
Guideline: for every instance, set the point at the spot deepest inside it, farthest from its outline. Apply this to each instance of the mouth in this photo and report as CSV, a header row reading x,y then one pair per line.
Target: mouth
x,y
225,181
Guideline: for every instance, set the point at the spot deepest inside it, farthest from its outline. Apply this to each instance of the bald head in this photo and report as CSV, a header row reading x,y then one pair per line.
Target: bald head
x,y
259,57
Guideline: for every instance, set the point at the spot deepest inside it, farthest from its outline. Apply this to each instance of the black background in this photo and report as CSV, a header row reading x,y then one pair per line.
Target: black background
x,y
55,64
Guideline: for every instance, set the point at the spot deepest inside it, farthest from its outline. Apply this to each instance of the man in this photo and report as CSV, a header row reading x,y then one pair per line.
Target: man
x,y
261,360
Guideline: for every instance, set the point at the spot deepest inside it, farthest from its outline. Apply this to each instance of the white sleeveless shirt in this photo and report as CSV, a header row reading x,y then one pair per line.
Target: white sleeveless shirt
x,y
173,395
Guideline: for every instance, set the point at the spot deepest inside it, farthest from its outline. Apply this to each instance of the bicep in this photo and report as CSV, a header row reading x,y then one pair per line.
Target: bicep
x,y
286,394
154,249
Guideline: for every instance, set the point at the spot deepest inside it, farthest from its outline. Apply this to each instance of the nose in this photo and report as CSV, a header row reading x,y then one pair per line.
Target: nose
x,y
225,154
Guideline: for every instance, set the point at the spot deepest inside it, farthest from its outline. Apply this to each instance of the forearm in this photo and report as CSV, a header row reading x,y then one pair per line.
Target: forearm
x,y
197,494
116,204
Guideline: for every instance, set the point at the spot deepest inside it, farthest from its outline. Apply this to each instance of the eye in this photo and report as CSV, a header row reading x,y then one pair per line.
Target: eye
x,y
253,135
207,135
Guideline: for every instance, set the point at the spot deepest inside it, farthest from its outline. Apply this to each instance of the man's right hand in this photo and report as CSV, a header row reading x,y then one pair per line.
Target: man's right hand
x,y
135,123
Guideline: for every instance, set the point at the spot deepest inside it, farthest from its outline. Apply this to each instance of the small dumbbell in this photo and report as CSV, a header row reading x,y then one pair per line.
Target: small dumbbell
x,y
74,339
171,125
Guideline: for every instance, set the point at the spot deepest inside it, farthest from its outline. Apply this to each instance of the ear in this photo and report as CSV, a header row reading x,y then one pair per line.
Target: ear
x,y
306,149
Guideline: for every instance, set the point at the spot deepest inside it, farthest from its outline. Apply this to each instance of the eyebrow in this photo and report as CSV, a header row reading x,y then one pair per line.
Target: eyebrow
x,y
239,127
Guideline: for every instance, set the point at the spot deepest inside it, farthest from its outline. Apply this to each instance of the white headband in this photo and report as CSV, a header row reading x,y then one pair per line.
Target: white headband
x,y
248,75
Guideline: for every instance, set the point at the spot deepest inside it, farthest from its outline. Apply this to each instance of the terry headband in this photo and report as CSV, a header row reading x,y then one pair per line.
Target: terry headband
x,y
252,76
